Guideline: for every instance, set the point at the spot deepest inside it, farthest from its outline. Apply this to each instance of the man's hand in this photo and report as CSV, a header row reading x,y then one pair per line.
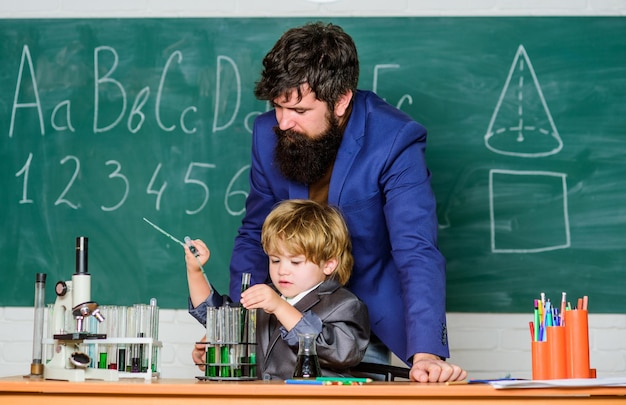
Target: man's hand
x,y
430,368
199,354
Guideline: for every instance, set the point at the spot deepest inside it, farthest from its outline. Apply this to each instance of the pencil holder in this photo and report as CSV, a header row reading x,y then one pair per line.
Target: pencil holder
x,y
230,344
540,360
558,351
549,357
577,343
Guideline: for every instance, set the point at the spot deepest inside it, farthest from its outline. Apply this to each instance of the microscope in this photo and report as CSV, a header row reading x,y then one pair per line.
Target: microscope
x,y
68,363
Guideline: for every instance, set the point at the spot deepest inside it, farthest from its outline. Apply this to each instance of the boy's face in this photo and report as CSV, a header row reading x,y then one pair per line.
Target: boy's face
x,y
292,274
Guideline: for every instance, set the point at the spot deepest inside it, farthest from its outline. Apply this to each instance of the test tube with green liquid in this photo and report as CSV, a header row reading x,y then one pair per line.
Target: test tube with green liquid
x,y
102,330
223,323
252,342
211,324
236,339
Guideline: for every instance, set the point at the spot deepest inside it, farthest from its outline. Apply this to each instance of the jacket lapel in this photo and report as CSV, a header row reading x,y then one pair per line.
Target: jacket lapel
x,y
306,303
350,146
349,149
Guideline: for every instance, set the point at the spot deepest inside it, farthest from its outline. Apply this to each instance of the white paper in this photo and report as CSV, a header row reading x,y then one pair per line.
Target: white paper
x,y
564,383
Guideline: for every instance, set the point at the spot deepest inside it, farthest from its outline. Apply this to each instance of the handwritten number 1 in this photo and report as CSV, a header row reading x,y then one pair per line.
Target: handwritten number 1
x,y
25,170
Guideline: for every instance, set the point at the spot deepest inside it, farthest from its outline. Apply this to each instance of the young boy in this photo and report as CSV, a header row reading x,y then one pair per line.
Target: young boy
x,y
310,260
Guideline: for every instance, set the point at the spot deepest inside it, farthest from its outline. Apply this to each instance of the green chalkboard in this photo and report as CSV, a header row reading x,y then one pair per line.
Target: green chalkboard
x,y
106,121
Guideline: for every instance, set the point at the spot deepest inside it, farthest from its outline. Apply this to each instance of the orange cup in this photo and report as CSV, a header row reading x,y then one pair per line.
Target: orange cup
x,y
558,354
540,360
577,343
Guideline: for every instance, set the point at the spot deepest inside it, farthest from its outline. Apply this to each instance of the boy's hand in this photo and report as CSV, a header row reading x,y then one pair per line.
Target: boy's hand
x,y
192,261
261,296
198,354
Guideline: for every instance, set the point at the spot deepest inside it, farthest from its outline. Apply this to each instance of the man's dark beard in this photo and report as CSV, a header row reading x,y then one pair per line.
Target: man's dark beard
x,y
304,159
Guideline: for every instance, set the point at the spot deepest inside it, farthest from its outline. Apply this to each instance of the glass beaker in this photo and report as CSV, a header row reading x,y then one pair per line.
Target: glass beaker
x,y
307,363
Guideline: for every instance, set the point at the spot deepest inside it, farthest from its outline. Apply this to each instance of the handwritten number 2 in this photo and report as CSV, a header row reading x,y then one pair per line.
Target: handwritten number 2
x,y
61,199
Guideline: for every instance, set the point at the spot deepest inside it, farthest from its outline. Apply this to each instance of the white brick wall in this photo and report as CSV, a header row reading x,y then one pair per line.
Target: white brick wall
x,y
487,345
279,8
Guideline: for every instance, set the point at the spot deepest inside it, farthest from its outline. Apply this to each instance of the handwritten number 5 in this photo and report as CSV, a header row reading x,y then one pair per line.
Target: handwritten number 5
x,y
189,179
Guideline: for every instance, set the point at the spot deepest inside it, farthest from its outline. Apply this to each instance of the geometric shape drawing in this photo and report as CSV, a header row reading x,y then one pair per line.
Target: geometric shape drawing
x,y
521,124
528,211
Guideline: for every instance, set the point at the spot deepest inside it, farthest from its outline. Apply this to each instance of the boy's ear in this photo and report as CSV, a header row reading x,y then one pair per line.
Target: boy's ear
x,y
329,266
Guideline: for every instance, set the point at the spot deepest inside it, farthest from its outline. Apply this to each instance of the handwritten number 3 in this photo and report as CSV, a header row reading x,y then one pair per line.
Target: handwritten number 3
x,y
116,174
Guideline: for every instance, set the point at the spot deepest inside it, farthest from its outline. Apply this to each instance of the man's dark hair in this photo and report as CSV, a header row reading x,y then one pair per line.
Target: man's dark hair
x,y
320,55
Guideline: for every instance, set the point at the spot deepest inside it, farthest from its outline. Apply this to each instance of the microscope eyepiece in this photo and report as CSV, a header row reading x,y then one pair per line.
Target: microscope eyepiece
x,y
81,255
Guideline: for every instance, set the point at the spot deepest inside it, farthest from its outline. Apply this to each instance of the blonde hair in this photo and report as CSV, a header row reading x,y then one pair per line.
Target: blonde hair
x,y
308,228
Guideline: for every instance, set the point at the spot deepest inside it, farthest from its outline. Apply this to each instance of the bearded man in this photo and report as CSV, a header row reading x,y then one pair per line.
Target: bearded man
x,y
327,141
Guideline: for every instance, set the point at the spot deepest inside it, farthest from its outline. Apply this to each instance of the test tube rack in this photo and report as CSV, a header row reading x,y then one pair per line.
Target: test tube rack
x,y
152,349
230,344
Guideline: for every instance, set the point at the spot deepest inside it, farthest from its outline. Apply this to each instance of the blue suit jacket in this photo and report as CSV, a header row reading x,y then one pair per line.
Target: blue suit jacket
x,y
382,186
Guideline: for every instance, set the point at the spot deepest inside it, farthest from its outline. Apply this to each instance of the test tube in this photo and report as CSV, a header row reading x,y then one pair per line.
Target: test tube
x,y
244,319
102,330
211,324
245,284
50,332
245,281
36,367
146,330
144,327
235,347
91,327
252,342
122,325
223,316
244,347
112,332
154,321
134,365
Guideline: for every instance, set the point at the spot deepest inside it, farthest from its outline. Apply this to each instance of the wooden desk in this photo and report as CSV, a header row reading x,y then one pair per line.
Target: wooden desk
x,y
20,390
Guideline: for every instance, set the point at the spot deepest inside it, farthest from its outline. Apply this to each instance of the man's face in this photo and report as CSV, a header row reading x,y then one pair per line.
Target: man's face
x,y
307,116
309,136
